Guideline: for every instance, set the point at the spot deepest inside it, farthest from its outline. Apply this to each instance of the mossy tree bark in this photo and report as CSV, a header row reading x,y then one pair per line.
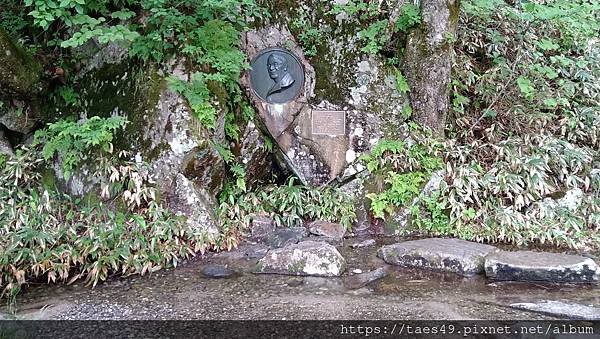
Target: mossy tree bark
x,y
19,73
427,62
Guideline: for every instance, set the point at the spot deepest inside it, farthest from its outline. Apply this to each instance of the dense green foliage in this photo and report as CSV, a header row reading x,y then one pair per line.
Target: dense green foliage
x,y
71,140
521,162
404,169
289,205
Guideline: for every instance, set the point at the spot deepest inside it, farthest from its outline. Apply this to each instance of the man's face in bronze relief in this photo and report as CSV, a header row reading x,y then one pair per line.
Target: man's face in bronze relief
x,y
277,66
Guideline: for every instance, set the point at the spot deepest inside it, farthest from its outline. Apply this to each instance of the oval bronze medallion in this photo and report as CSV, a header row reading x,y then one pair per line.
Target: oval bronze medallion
x,y
277,76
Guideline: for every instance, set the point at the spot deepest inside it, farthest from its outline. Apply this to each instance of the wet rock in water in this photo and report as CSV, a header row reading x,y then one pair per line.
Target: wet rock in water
x,y
366,243
561,309
540,266
305,258
360,280
262,226
217,272
327,229
450,255
285,236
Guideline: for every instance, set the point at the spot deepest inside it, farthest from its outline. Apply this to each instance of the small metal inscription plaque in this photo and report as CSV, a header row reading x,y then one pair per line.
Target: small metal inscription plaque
x,y
330,123
277,76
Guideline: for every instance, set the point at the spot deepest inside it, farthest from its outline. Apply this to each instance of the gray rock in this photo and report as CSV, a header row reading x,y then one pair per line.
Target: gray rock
x,y
561,309
195,204
310,258
434,183
362,87
217,272
262,227
18,116
450,255
540,266
327,229
295,282
285,236
366,243
254,155
572,199
357,281
5,147
256,251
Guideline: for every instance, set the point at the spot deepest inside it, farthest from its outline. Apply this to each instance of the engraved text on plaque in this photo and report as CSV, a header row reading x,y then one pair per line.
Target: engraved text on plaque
x,y
330,123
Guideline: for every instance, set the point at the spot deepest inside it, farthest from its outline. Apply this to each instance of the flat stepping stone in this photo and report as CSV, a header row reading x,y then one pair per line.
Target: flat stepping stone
x,y
561,309
540,266
448,255
307,258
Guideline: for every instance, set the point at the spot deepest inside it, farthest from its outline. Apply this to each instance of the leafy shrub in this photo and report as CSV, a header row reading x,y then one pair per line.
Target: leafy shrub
x,y
525,126
289,205
405,168
72,141
410,17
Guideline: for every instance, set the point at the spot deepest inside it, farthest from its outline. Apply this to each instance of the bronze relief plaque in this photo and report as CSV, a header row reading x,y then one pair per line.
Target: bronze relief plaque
x,y
276,76
332,123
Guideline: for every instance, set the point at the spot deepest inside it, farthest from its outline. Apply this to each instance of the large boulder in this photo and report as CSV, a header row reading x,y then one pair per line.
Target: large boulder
x,y
541,266
163,132
304,258
447,255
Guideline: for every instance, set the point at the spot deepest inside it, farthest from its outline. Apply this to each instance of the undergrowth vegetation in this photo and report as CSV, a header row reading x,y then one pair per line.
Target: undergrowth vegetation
x,y
522,159
289,205
49,236
526,121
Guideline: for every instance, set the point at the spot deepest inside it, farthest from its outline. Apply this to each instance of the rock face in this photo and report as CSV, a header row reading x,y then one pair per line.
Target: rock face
x,y
196,204
20,74
561,309
450,255
305,258
163,132
5,147
340,77
315,159
540,266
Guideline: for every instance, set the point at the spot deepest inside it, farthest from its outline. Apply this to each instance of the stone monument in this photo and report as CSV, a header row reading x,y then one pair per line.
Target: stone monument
x,y
312,140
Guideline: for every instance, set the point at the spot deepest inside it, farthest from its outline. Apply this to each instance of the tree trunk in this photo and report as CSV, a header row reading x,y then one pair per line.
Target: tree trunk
x,y
19,72
427,63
